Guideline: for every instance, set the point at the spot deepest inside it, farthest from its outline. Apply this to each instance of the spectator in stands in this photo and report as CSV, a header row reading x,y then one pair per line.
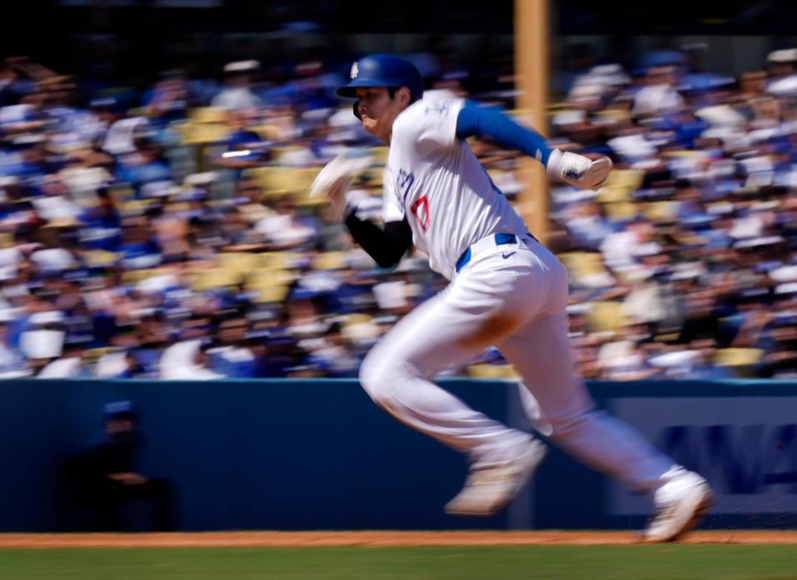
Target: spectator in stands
x,y
624,357
781,68
187,357
241,148
139,247
120,364
588,224
333,355
289,229
239,78
659,94
13,362
622,250
146,169
11,89
167,101
231,354
249,201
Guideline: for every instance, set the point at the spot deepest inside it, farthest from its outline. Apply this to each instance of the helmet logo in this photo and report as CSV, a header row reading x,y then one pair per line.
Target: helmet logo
x,y
355,70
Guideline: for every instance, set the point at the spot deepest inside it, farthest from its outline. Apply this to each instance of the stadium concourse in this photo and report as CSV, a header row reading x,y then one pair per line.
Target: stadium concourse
x,y
165,231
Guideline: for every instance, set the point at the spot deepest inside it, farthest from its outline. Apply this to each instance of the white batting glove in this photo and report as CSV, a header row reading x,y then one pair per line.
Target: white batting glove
x,y
334,181
578,170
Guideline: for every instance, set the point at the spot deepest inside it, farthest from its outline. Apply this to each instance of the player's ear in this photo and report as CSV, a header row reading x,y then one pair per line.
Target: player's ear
x,y
405,96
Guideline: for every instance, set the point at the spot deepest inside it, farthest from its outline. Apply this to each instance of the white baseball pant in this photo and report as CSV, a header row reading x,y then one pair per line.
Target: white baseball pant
x,y
513,297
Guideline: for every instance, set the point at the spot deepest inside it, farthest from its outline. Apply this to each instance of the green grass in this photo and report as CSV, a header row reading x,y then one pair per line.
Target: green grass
x,y
660,562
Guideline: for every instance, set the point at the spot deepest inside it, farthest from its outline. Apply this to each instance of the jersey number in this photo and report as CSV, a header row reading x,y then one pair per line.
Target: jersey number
x,y
420,209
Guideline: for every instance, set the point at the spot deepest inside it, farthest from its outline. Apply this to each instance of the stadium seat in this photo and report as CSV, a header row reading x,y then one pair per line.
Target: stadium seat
x,y
203,133
660,211
741,360
280,260
491,371
214,277
606,316
380,153
208,115
621,210
334,260
584,265
100,258
277,180
268,286
242,262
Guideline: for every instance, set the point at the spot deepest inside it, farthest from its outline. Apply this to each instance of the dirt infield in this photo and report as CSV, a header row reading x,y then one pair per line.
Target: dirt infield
x,y
376,539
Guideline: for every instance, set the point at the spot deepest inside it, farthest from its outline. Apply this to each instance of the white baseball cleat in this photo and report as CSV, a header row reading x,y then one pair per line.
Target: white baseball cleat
x,y
489,487
681,504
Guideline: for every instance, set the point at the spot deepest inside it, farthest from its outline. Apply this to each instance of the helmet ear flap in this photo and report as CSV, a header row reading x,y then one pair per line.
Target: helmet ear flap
x,y
356,107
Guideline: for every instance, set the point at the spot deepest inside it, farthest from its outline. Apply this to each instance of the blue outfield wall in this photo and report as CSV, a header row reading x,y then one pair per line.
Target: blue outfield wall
x,y
318,455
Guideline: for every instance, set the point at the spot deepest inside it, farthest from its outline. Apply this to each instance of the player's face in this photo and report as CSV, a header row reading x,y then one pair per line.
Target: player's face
x,y
378,110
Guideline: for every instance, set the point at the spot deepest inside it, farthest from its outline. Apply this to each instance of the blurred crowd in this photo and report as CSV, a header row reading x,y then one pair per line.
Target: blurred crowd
x,y
165,232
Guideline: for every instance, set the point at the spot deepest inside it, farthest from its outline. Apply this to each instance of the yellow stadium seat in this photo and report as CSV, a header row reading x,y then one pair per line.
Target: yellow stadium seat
x,y
379,153
613,194
208,115
738,357
214,277
203,133
100,258
491,371
606,316
581,264
660,211
335,260
268,131
280,260
741,361
621,210
266,276
277,180
621,185
629,178
133,277
243,262
268,286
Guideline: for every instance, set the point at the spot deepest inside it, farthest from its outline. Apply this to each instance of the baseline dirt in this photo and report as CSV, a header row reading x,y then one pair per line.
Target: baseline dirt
x,y
376,539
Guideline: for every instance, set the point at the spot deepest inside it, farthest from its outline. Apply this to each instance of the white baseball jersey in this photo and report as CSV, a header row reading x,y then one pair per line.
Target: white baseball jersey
x,y
434,179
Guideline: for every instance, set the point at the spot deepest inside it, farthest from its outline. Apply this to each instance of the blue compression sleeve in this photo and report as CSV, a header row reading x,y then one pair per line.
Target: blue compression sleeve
x,y
476,120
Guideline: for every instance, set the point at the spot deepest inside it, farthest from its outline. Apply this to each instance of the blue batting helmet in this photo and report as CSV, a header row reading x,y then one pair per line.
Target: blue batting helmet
x,y
383,70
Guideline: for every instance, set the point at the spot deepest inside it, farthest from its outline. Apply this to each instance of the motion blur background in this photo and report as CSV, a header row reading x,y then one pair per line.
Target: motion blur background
x,y
155,225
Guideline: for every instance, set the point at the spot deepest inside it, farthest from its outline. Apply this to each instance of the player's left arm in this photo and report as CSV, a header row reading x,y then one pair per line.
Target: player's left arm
x,y
575,169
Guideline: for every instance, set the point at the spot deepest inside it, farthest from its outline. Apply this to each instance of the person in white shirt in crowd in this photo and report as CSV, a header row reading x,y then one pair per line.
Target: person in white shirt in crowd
x,y
659,95
239,90
187,360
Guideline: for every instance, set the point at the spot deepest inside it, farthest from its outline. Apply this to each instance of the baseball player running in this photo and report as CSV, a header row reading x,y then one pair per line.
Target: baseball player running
x,y
506,289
